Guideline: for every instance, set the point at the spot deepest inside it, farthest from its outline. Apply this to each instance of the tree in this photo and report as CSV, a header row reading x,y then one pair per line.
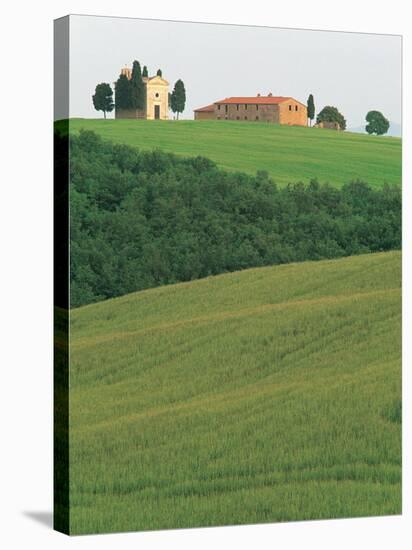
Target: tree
x,y
103,98
123,97
178,98
159,72
138,87
311,109
331,114
377,123
145,72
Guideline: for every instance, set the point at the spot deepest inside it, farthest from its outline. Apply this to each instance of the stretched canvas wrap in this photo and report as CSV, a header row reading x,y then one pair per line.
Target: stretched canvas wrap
x,y
227,274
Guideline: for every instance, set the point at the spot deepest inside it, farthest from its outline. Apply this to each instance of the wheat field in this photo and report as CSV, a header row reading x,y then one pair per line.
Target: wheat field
x,y
267,395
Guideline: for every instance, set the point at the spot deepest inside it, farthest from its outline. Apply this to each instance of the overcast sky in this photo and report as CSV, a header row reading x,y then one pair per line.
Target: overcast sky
x,y
354,72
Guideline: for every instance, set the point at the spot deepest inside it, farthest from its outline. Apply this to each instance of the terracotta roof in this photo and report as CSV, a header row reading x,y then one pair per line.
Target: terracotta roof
x,y
261,100
207,109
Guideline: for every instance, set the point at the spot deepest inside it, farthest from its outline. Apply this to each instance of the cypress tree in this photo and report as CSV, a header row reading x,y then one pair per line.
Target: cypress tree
x,y
145,72
159,72
138,87
311,108
123,97
178,98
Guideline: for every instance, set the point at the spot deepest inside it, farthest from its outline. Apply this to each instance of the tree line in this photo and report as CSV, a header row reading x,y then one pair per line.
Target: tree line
x,y
131,93
141,219
376,122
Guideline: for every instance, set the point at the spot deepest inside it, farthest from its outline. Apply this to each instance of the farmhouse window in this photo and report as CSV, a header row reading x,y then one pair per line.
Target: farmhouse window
x,y
257,107
246,106
237,107
218,107
290,107
225,108
296,107
245,117
257,118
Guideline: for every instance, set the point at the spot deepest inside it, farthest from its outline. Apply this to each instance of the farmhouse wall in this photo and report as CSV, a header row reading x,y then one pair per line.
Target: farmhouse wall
x,y
293,113
247,112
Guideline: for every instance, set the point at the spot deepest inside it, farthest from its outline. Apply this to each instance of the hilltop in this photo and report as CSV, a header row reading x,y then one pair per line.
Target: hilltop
x,y
270,394
288,154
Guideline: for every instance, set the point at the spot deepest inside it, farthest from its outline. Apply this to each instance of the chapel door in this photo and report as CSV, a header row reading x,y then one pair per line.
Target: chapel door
x,y
157,112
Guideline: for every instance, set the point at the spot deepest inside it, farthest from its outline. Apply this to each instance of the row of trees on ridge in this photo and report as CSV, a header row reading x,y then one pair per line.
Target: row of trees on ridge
x,y
327,114
377,123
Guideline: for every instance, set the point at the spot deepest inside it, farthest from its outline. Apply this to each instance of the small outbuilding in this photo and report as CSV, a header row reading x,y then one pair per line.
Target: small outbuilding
x,y
331,125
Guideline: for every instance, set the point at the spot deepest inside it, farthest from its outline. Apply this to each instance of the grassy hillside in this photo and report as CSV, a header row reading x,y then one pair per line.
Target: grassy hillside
x,y
289,154
270,394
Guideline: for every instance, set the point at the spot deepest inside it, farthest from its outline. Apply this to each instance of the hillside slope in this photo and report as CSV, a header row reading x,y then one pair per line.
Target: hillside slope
x,y
288,154
265,395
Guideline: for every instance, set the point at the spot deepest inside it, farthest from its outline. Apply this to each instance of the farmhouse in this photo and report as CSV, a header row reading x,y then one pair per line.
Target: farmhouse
x,y
157,99
276,109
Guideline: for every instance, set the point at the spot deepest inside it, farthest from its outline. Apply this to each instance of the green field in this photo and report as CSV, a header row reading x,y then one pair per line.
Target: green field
x,y
288,154
270,394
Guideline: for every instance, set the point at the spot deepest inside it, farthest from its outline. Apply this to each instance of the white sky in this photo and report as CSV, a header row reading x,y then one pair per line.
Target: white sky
x,y
352,71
